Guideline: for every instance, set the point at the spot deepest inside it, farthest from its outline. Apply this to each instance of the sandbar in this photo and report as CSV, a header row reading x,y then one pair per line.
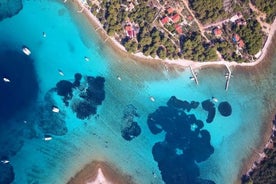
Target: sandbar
x,y
100,172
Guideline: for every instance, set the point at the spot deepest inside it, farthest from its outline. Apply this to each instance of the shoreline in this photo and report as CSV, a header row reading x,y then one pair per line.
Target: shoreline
x,y
120,50
262,61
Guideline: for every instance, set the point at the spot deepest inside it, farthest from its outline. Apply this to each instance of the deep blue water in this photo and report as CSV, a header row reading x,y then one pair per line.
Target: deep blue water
x,y
23,88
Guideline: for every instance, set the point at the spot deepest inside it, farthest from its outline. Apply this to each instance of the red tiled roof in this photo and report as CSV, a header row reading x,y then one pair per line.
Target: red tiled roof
x,y
128,28
170,10
165,20
178,29
176,18
217,32
236,37
241,43
190,17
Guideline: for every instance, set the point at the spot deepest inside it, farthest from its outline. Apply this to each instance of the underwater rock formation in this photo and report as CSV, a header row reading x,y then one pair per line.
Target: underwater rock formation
x,y
225,109
185,142
209,106
130,128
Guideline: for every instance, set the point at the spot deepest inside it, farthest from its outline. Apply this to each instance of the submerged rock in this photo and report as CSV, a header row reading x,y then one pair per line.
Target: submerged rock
x,y
210,108
225,109
130,129
83,109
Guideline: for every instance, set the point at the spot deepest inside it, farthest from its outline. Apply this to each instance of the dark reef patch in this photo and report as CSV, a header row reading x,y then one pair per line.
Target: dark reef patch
x,y
64,88
7,174
185,105
225,109
185,142
209,106
83,109
22,90
89,93
130,128
10,8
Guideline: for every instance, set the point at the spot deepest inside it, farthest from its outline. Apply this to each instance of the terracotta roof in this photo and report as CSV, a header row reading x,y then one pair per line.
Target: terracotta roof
x,y
165,20
236,38
217,32
241,43
178,28
176,18
170,10
128,28
190,17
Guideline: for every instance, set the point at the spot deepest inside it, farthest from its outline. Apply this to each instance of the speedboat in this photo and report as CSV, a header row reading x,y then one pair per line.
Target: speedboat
x,y
47,138
55,109
6,79
5,161
86,58
60,72
152,99
26,50
119,78
214,99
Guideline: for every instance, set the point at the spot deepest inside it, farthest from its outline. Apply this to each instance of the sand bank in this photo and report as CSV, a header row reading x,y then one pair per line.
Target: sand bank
x,y
180,62
100,172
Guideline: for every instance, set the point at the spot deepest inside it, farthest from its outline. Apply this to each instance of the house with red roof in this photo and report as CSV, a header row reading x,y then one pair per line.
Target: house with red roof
x,y
237,40
170,10
176,18
165,20
129,31
217,32
178,29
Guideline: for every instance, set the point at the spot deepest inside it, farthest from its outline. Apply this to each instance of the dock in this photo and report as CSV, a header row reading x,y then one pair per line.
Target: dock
x,y
194,75
228,76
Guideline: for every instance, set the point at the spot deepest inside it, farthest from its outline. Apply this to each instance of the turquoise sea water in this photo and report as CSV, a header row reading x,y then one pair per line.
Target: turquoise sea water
x,y
181,150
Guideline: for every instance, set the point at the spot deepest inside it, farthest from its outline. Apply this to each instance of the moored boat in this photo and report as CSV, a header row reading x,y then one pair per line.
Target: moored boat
x,y
26,50
47,138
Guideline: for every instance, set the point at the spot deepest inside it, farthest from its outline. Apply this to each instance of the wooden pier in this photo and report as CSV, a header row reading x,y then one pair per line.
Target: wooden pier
x,y
228,76
194,75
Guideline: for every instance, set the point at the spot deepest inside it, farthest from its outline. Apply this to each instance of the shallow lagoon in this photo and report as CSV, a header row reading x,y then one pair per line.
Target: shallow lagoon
x,y
77,142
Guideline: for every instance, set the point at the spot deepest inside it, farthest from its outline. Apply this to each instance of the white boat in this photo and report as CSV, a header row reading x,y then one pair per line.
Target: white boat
x,y
214,99
192,78
47,138
86,58
119,78
60,72
6,79
152,99
55,109
5,161
44,34
26,50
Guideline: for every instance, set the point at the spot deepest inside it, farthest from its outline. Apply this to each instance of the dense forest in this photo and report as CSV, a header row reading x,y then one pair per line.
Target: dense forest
x,y
267,6
252,35
208,10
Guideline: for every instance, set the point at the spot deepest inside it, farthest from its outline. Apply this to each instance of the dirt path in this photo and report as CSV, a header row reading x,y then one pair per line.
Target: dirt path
x,y
201,28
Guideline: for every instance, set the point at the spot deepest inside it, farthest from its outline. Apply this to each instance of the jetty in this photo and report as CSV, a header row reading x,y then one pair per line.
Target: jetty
x,y
228,76
194,75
